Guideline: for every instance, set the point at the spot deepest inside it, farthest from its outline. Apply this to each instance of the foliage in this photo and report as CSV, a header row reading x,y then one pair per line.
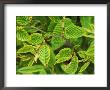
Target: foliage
x,y
55,45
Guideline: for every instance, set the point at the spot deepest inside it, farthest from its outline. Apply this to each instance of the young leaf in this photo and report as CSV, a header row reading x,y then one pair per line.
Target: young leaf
x,y
31,69
83,68
71,68
63,55
36,38
57,42
22,20
22,35
67,22
58,29
71,30
26,48
44,54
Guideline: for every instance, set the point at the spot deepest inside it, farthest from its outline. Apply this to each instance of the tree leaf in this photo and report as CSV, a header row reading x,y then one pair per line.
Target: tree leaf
x,y
31,62
71,30
24,57
84,67
71,68
22,20
19,43
86,21
22,35
57,42
82,54
90,52
58,29
36,57
67,22
52,58
36,38
51,26
63,55
31,29
44,54
26,49
31,69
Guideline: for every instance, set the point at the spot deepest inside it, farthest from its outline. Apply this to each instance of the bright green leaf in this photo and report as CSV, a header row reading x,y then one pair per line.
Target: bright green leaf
x,y
58,29
84,67
26,49
25,57
22,35
52,58
22,20
36,38
31,69
63,55
44,54
82,54
71,68
57,42
71,30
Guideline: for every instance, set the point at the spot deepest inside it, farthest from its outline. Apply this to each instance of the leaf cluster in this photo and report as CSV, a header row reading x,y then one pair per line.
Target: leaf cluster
x,y
54,44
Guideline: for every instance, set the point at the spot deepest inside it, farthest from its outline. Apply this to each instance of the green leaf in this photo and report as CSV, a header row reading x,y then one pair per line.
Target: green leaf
x,y
31,62
90,52
54,19
71,68
36,57
52,58
57,42
31,69
51,26
22,20
48,35
67,22
82,54
44,54
19,43
43,71
22,35
31,29
36,38
86,21
24,57
63,55
58,29
84,67
26,49
71,30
